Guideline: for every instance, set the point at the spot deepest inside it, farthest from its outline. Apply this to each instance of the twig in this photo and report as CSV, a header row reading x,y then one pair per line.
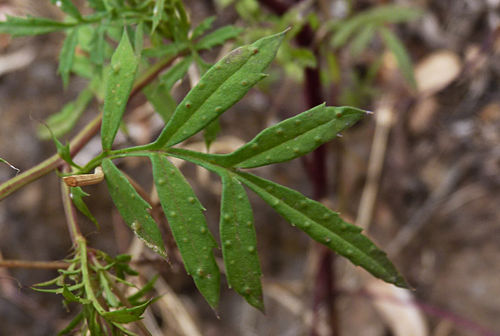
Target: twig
x,y
383,124
6,263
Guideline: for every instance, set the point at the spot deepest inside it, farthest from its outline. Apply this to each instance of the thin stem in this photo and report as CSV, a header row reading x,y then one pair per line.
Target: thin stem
x,y
89,291
33,264
80,140
70,211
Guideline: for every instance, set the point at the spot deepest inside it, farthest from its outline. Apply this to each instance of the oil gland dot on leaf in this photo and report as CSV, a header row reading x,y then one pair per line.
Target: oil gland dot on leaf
x,y
307,224
227,243
244,83
188,104
247,290
173,213
327,240
191,200
251,249
255,51
249,223
185,240
227,217
339,114
116,67
200,272
162,181
254,146
136,226
279,131
297,121
218,109
296,150
203,230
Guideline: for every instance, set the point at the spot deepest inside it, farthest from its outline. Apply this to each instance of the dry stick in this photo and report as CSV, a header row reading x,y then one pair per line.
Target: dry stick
x,y
383,123
6,263
80,140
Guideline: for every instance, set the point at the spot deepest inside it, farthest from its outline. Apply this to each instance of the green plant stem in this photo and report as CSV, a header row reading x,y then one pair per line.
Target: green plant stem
x,y
82,138
82,246
69,210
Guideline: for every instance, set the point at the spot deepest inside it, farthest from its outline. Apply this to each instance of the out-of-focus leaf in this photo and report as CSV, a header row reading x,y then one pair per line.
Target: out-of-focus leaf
x,y
120,80
166,50
376,16
98,44
159,96
361,41
292,137
239,242
157,14
77,195
132,208
189,227
218,37
72,325
176,72
67,7
219,88
202,27
66,55
325,226
63,121
399,51
22,26
139,39
134,298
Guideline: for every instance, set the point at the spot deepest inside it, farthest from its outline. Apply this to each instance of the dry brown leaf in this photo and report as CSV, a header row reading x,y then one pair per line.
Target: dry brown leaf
x,y
437,71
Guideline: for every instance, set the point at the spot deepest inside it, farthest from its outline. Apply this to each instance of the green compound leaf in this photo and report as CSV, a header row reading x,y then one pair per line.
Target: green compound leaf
x,y
399,51
67,54
132,208
219,88
189,227
77,195
19,26
121,77
218,37
63,121
292,137
326,227
239,242
127,315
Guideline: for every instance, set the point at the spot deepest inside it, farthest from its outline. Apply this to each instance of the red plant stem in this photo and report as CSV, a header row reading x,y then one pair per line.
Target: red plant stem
x,y
324,290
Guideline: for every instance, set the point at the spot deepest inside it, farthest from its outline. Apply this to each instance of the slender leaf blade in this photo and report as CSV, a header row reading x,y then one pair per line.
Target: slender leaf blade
x,y
77,195
189,227
121,77
23,26
325,226
132,208
292,137
63,121
127,315
68,7
176,72
157,13
399,51
67,54
202,27
239,242
220,87
218,37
